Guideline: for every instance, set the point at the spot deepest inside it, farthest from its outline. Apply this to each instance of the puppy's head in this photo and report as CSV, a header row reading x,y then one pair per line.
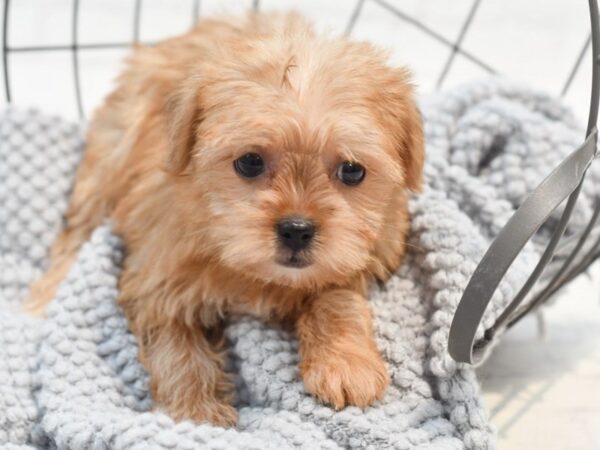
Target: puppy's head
x,y
297,148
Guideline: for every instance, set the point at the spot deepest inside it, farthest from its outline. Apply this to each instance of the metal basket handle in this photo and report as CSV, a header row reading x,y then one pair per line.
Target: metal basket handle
x,y
564,181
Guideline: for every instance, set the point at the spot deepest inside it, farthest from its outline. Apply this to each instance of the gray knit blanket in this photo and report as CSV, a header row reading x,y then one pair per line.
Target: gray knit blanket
x,y
72,380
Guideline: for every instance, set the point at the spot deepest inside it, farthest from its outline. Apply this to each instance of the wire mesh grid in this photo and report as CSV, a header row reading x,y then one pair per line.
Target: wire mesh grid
x,y
446,42
70,47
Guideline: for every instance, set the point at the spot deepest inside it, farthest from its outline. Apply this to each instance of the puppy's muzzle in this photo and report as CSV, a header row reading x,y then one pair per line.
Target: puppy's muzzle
x,y
295,233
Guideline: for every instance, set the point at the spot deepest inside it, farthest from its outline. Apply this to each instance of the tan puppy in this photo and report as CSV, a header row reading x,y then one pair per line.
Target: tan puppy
x,y
251,167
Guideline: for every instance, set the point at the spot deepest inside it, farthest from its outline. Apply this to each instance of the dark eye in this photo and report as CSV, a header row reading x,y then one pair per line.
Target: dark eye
x,y
350,173
249,165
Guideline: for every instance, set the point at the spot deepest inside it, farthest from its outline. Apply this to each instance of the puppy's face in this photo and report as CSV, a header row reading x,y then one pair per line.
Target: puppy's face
x,y
297,171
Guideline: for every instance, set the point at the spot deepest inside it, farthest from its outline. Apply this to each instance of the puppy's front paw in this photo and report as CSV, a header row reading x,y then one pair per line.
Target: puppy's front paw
x,y
346,379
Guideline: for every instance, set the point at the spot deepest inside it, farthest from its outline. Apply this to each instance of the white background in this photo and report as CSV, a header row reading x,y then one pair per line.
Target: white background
x,y
534,41
542,393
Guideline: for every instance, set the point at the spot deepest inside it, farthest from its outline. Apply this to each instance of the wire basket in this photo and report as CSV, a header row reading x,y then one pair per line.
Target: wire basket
x,y
80,45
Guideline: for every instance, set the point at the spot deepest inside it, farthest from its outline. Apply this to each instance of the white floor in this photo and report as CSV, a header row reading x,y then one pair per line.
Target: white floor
x,y
544,392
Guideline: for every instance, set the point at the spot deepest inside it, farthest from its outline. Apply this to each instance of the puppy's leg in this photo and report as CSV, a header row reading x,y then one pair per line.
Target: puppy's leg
x,y
187,376
340,363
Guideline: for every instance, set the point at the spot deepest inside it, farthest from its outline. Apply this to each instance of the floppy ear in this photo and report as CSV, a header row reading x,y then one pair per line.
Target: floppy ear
x,y
402,119
182,111
413,146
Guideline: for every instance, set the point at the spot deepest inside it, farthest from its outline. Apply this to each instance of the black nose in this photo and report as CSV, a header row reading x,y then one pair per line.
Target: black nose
x,y
295,233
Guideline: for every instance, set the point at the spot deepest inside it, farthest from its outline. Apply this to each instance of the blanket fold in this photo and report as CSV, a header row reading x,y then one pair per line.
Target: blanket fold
x,y
72,380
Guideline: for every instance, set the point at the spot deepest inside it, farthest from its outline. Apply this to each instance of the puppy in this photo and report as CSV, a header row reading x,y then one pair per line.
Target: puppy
x,y
251,167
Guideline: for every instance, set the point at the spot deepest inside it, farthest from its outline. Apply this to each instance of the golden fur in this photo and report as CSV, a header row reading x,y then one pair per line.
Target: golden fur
x,y
200,239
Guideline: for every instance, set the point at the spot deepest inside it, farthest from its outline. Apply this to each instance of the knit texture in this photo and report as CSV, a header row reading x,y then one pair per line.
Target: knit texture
x,y
73,381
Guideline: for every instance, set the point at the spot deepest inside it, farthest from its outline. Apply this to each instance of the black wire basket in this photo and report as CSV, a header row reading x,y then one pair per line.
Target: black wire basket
x,y
564,183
